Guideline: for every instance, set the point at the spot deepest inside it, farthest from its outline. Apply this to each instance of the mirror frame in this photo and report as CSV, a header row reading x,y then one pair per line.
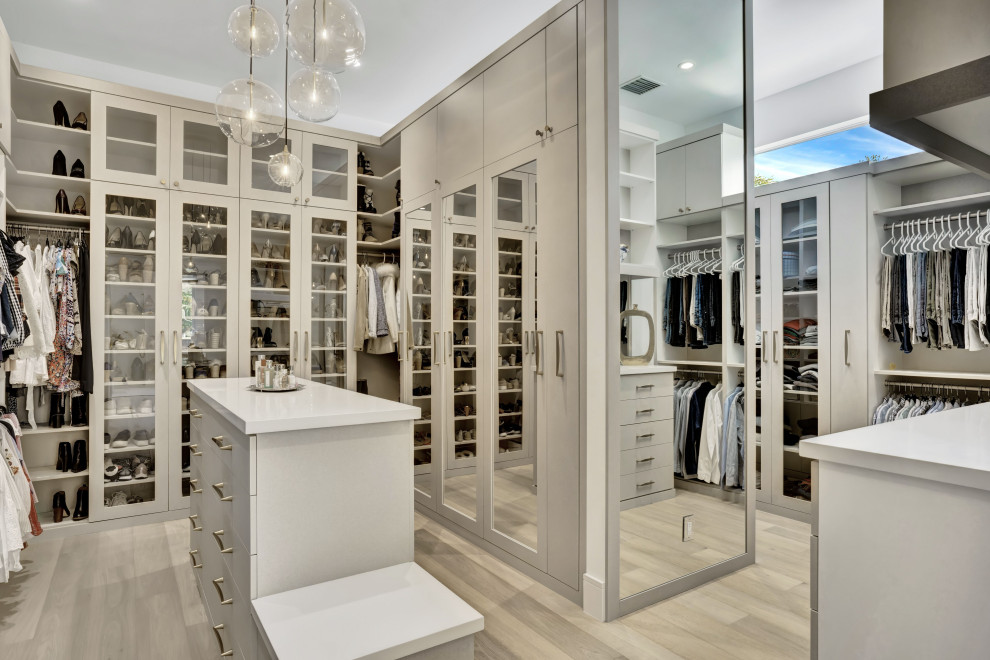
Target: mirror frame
x,y
614,606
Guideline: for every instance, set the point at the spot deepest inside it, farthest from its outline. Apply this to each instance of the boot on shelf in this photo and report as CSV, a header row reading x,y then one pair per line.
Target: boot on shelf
x,y
64,461
56,411
82,504
59,506
80,458
396,225
79,409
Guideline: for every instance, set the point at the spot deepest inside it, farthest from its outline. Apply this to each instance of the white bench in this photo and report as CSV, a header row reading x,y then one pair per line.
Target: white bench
x,y
396,612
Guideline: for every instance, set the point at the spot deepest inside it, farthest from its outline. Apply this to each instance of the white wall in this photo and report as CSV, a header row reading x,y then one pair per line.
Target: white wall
x,y
667,130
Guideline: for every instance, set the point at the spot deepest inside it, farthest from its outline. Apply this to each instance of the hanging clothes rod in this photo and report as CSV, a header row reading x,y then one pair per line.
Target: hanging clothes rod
x,y
920,222
935,387
715,252
700,372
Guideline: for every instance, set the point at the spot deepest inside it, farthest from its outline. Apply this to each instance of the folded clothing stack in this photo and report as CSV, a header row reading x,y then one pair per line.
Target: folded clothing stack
x,y
796,330
807,380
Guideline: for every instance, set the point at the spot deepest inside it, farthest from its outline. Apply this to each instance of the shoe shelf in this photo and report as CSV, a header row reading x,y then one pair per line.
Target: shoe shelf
x,y
371,180
42,428
130,482
129,449
48,522
390,244
21,178
270,232
17,213
119,250
378,216
57,136
49,473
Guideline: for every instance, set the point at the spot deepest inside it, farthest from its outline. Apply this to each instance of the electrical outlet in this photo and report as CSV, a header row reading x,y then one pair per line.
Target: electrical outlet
x,y
687,528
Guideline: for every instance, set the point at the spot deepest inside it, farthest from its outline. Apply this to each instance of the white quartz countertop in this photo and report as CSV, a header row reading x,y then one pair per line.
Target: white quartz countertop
x,y
952,447
630,370
315,406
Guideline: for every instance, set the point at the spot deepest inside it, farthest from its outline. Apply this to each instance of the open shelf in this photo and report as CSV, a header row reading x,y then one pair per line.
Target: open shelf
x,y
36,131
49,473
692,243
947,204
630,180
390,244
937,375
388,177
628,224
638,270
66,219
378,216
27,430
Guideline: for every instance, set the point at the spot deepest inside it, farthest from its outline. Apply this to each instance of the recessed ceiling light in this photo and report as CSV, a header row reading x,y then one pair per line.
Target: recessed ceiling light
x,y
686,65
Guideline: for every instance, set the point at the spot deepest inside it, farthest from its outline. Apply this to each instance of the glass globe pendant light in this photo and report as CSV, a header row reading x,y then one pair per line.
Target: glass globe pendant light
x,y
285,169
253,30
328,34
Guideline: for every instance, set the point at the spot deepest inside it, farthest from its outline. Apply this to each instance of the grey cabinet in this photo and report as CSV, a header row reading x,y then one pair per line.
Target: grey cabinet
x,y
532,91
460,137
419,156
695,174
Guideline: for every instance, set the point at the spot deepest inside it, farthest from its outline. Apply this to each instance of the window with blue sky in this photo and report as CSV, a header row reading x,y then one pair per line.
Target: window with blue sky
x,y
829,152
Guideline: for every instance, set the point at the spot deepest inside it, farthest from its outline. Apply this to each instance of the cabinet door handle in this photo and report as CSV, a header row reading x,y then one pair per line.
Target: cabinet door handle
x,y
193,519
847,347
161,346
175,183
539,352
687,208
195,413
645,484
216,585
549,129
645,460
539,133
645,436
193,449
175,347
224,551
644,387
295,345
192,555
164,182
763,348
218,441
436,341
218,489
306,347
645,411
192,484
560,350
680,210
216,631
450,344
776,357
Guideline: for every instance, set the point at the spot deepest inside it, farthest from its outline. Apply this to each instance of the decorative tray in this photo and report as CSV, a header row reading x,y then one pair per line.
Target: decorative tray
x,y
255,388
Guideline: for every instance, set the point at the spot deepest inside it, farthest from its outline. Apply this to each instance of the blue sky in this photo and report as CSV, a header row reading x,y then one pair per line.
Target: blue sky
x,y
829,152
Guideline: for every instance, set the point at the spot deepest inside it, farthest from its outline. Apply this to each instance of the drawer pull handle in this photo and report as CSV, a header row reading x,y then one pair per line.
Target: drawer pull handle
x,y
192,485
195,413
645,436
645,484
644,387
216,631
645,411
192,519
193,449
218,487
223,551
218,441
645,460
216,585
192,554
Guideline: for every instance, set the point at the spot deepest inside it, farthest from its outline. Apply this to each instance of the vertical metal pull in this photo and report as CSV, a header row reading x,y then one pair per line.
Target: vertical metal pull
x,y
525,338
306,349
295,345
161,346
175,347
450,344
436,341
539,352
560,343
775,355
763,348
847,347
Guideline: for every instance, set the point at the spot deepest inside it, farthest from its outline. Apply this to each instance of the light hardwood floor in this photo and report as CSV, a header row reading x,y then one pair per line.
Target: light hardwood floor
x,y
130,593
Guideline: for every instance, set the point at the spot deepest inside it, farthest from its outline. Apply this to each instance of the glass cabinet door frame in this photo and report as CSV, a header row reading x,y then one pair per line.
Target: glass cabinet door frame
x,y
433,340
294,281
349,203
161,354
309,298
248,163
178,151
762,442
534,556
101,104
174,359
820,193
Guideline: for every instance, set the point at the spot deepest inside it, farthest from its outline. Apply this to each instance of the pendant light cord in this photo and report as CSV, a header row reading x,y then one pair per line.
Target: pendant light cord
x,y
285,137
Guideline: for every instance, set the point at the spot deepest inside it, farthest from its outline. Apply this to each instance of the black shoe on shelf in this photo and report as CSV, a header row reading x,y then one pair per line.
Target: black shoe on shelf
x,y
79,456
61,115
82,504
78,171
58,164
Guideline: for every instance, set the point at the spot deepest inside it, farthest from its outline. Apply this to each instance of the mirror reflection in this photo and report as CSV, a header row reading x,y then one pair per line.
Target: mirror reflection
x,y
683,496
514,480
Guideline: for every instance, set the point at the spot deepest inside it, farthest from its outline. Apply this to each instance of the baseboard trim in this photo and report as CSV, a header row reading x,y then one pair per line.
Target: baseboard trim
x,y
594,597
56,532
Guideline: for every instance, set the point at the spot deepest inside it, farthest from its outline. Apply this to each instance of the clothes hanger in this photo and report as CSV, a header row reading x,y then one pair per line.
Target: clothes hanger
x,y
887,248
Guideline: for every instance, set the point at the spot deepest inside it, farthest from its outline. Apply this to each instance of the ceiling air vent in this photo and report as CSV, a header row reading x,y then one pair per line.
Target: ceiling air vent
x,y
639,85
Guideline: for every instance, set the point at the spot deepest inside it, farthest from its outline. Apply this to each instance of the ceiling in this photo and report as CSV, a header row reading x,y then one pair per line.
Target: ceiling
x,y
795,41
414,49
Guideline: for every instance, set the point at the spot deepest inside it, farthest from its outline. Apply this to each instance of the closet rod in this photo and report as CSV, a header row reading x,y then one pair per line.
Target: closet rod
x,y
700,372
46,228
935,387
960,217
687,253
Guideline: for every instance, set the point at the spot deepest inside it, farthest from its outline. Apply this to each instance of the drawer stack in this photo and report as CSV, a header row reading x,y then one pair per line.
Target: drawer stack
x,y
223,538
646,463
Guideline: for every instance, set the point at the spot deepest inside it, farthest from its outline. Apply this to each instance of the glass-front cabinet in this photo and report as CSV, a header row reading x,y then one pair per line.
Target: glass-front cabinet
x,y
763,315
203,159
268,306
329,172
131,231
203,254
794,306
130,141
255,180
329,239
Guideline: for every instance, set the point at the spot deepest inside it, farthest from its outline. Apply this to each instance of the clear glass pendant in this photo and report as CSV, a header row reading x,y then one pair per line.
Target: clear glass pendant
x,y
328,34
285,168
314,94
253,31
250,112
